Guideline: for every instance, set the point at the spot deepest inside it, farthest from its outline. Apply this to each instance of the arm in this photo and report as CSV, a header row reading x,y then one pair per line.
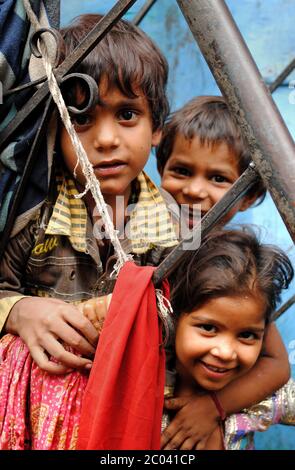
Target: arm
x,y
41,322
277,409
198,417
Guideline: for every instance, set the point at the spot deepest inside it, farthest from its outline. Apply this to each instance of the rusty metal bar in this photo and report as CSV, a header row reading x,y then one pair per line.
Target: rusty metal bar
x,y
249,100
25,86
283,308
86,45
280,78
52,8
233,195
143,11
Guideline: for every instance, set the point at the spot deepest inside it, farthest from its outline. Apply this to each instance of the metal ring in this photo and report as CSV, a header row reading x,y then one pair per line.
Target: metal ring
x,y
91,91
36,37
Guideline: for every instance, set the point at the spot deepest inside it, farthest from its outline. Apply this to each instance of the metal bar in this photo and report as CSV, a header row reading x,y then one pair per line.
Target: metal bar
x,y
143,11
283,308
25,86
52,8
233,195
86,45
249,100
25,176
280,78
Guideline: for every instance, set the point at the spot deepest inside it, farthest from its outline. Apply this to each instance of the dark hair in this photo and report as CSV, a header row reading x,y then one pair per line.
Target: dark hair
x,y
230,263
127,57
208,118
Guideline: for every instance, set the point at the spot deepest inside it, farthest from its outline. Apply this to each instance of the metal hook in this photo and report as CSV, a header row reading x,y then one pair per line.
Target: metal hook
x,y
91,91
36,37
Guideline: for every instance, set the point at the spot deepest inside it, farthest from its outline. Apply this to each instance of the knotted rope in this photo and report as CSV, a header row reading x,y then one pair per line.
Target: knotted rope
x,y
92,184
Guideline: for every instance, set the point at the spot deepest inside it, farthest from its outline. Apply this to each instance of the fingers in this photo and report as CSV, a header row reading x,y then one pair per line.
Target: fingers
x,y
173,441
188,444
108,300
175,403
72,338
44,323
96,310
168,437
56,350
100,307
81,324
90,313
41,359
201,445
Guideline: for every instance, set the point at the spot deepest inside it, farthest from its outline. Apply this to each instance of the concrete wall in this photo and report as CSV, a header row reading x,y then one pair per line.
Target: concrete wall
x,y
268,28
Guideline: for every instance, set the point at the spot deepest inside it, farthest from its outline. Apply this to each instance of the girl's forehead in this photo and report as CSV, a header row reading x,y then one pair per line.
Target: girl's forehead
x,y
237,312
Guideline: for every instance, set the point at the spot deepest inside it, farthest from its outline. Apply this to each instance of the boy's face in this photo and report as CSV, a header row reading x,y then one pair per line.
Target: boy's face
x,y
219,341
201,174
117,137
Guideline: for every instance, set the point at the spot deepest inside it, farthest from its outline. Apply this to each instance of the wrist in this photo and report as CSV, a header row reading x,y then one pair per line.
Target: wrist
x,y
11,323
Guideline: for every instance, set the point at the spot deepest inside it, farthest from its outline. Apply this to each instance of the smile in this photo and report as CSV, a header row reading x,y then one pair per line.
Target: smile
x,y
216,370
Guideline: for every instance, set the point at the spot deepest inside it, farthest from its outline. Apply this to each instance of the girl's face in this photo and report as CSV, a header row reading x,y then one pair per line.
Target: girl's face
x,y
219,341
199,176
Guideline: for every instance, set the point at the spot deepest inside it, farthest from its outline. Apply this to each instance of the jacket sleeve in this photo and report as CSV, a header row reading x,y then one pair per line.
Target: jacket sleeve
x,y
12,270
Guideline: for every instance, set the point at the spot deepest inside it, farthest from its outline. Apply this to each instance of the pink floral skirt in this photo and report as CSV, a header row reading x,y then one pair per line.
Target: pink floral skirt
x,y
38,410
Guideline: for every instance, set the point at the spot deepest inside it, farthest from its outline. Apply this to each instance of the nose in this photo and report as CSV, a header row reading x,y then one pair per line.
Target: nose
x,y
196,188
106,134
224,350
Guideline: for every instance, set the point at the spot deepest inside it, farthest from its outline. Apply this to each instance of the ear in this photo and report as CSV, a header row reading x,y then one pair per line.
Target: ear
x,y
156,137
247,201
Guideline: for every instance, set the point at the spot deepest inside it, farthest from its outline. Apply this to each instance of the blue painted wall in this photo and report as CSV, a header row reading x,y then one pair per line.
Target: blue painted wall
x,y
268,28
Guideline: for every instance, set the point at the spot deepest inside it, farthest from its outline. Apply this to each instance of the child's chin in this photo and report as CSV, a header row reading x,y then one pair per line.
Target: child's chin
x,y
215,386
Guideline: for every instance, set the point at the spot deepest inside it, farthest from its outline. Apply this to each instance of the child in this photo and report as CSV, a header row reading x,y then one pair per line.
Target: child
x,y
56,259
200,156
56,262
223,297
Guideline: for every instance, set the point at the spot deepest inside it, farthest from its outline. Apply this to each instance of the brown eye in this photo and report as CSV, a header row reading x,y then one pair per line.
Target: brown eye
x,y
207,327
219,179
249,335
127,115
181,171
81,120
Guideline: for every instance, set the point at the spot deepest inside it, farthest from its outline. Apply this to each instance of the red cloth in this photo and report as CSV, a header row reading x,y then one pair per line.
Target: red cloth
x,y
123,401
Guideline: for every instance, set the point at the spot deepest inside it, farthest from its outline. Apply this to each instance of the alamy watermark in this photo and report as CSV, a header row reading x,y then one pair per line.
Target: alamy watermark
x,y
142,225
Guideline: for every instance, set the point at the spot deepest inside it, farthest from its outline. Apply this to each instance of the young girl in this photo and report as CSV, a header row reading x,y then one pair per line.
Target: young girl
x,y
200,156
223,297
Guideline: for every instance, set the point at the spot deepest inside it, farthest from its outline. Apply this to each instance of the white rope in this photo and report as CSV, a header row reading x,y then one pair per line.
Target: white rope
x,y
165,312
92,183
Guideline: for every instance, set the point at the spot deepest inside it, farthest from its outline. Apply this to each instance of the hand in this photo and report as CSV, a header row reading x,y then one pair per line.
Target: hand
x,y
43,323
96,310
215,441
196,419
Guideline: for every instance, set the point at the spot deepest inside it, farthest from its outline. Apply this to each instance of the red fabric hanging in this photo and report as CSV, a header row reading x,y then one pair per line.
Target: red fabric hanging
x,y
123,401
